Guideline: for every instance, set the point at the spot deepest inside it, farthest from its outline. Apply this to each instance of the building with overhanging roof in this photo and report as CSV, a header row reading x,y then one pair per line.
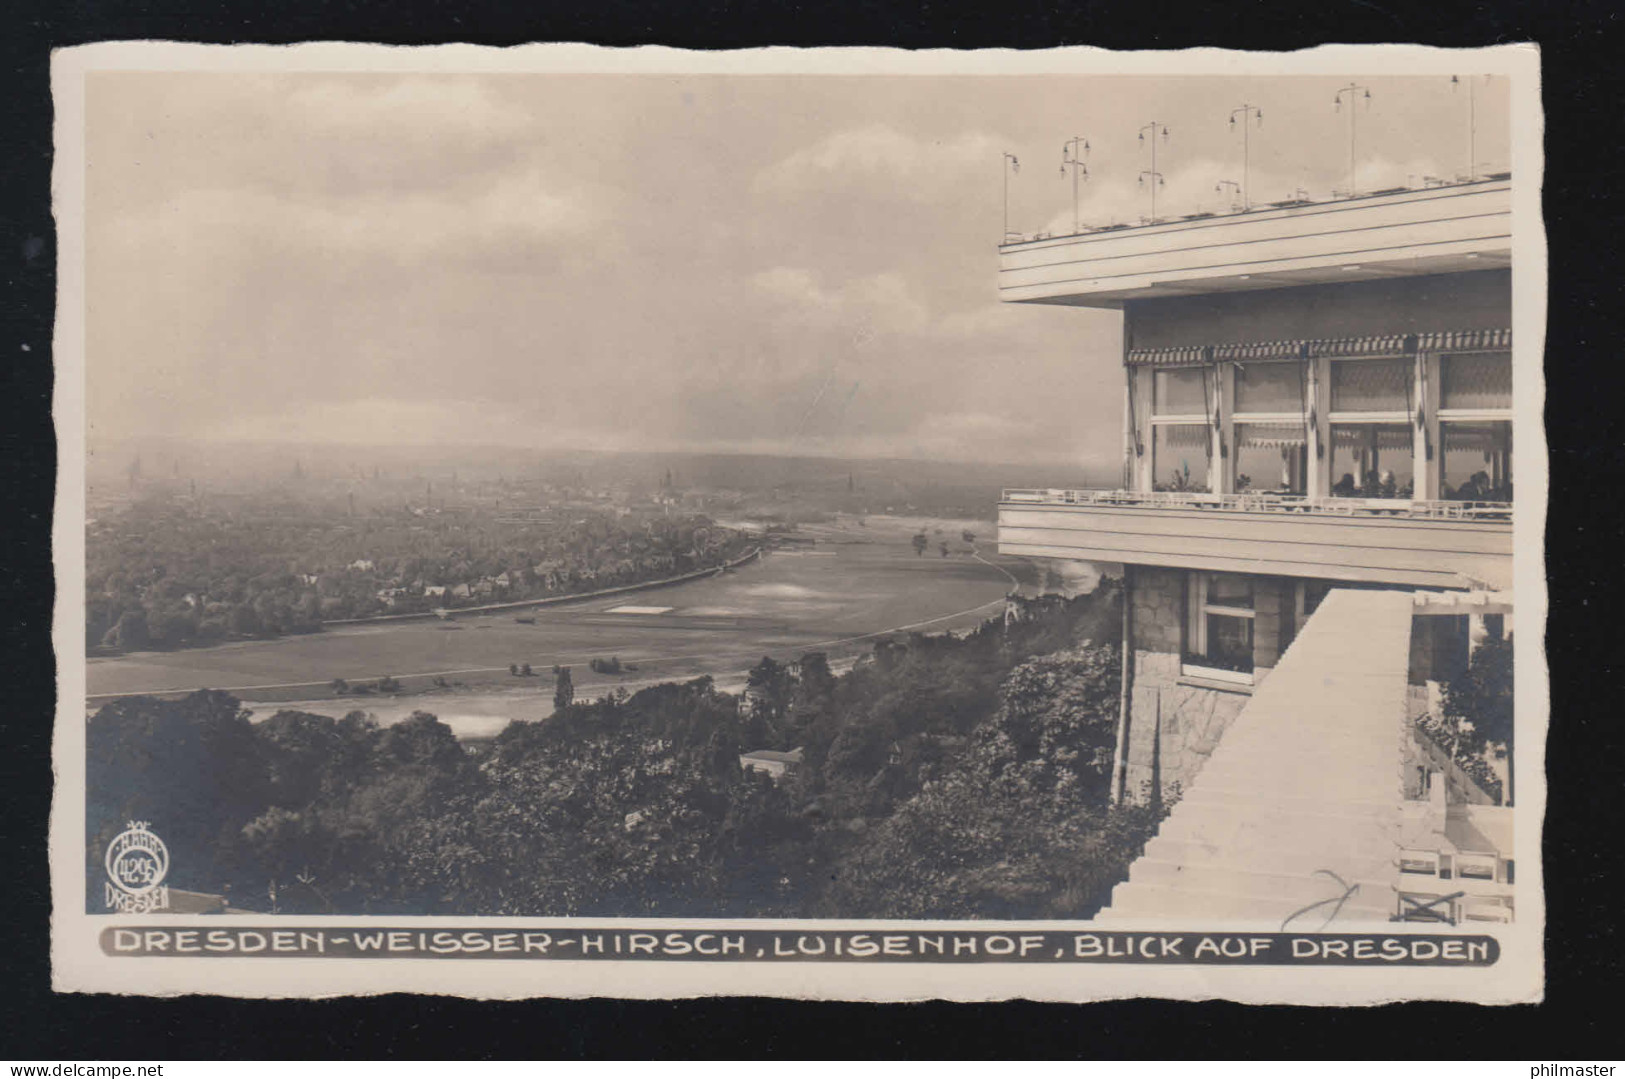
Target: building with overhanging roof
x,y
1317,401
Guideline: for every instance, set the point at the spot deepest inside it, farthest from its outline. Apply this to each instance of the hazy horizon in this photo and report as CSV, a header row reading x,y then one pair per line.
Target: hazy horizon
x,y
144,443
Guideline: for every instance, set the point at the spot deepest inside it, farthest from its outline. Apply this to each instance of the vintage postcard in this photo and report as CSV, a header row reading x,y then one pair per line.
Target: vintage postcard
x,y
835,524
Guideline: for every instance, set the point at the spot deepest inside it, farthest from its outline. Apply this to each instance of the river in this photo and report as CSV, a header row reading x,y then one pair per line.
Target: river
x,y
856,584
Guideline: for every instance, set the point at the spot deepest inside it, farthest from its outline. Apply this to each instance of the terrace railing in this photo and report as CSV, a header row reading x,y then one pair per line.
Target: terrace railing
x,y
1436,509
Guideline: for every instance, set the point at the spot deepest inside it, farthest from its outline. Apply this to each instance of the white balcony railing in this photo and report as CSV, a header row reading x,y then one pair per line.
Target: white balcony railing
x,y
1265,503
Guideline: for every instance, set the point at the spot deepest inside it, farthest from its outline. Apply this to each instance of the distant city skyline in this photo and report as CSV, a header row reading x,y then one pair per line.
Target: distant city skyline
x,y
792,265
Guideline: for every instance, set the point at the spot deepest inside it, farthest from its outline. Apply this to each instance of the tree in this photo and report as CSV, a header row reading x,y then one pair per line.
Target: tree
x,y
564,691
192,768
130,632
772,684
1482,696
1017,825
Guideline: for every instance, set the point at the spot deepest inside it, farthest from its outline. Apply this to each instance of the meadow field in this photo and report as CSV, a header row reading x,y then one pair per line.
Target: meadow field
x,y
838,595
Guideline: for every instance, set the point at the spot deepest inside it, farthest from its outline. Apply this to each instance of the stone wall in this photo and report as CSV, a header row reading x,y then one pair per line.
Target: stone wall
x,y
1173,726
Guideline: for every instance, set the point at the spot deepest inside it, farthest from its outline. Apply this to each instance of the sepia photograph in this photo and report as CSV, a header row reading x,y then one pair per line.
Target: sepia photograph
x,y
816,523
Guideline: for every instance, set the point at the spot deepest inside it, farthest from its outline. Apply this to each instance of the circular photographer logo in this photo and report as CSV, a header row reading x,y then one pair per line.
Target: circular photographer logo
x,y
137,862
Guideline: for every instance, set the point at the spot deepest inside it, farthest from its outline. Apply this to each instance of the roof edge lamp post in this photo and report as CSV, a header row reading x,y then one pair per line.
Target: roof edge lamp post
x,y
1073,152
1238,201
1472,122
1014,166
1355,91
1256,115
1153,175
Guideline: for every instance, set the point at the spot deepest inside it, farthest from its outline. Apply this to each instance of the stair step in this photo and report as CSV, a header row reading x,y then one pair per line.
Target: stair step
x,y
1133,901
1301,887
1266,737
1360,857
1277,780
1328,816
1268,800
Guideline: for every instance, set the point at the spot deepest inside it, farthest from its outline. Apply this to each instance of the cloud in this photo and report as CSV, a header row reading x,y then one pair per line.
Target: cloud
x,y
861,156
436,112
865,304
513,209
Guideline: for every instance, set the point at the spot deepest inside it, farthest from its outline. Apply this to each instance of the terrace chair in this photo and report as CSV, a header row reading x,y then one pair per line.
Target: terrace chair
x,y
1427,907
1485,908
1476,865
1420,862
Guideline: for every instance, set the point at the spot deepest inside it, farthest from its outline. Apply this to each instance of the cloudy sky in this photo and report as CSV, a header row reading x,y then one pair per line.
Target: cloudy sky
x,y
801,265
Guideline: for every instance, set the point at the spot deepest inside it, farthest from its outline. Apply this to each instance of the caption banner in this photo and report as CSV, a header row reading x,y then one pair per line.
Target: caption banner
x,y
770,945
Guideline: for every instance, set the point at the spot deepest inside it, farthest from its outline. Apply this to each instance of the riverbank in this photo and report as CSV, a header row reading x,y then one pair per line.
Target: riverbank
x,y
550,601
836,597
479,714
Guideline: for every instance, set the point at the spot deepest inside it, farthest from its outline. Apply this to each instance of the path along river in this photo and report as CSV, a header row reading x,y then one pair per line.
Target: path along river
x,y
837,597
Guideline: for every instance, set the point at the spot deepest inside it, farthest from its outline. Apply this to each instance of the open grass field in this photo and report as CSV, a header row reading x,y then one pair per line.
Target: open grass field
x,y
834,596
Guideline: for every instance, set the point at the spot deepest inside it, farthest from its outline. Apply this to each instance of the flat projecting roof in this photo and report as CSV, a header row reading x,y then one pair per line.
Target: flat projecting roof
x,y
1397,233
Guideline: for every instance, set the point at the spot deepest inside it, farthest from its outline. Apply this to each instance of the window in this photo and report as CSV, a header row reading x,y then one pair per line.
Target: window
x,y
1371,386
1179,457
1181,435
1270,436
1219,627
1475,425
1477,464
1476,381
1373,440
1270,388
1180,391
1373,460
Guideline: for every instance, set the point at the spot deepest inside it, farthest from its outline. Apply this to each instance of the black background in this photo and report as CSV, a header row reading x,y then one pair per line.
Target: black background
x,y
1581,1017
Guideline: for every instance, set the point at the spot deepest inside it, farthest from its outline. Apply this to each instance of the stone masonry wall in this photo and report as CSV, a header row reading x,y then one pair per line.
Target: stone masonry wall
x,y
1172,727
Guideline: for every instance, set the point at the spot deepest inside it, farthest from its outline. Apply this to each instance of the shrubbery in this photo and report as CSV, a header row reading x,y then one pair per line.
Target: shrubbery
x,y
941,777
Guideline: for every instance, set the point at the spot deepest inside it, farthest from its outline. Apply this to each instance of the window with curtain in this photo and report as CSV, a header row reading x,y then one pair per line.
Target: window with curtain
x,y
1475,381
1179,456
1219,626
1371,385
1475,426
1180,391
1269,433
1373,442
1270,458
1269,387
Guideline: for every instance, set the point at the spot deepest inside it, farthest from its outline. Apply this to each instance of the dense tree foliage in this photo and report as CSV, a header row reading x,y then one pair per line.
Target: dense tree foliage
x,y
952,776
1478,704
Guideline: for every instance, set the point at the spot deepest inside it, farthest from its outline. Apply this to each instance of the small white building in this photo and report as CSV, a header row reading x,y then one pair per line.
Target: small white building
x,y
775,763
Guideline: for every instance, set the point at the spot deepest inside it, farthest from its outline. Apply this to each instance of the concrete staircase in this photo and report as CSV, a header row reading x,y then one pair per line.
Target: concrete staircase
x,y
1306,783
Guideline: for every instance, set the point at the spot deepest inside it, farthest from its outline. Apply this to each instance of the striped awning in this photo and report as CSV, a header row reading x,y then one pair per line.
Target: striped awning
x,y
1259,350
1182,356
1270,436
1386,344
1465,340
